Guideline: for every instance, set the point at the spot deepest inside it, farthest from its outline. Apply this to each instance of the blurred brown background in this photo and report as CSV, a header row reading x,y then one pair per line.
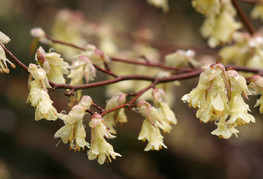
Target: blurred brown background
x,y
27,147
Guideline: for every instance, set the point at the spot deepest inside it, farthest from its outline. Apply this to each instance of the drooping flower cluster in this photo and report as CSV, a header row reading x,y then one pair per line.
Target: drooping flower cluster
x,y
155,119
38,96
99,147
74,131
246,51
4,39
113,118
220,23
218,97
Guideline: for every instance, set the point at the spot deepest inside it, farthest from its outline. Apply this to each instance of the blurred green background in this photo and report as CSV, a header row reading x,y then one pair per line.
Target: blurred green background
x,y
27,147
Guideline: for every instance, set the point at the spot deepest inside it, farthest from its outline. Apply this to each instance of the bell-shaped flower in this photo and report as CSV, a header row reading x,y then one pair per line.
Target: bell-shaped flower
x,y
53,64
4,39
209,95
167,115
74,131
44,108
117,116
38,96
150,128
223,130
160,4
221,100
39,74
99,147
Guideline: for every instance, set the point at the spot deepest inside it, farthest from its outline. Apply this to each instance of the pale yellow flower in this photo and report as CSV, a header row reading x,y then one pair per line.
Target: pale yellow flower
x,y
39,33
99,147
38,96
3,62
167,116
39,74
117,116
220,23
207,7
74,131
150,127
223,131
81,68
209,95
218,97
152,134
160,4
53,64
95,55
4,39
44,107
257,12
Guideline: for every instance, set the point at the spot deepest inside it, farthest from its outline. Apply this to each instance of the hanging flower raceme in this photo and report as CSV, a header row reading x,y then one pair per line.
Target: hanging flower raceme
x,y
220,23
53,64
74,131
150,128
38,96
99,147
4,39
167,115
118,116
218,97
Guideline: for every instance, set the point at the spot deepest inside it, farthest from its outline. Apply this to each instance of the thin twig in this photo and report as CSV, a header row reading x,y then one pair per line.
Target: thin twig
x,y
253,2
64,43
12,57
158,65
243,17
105,71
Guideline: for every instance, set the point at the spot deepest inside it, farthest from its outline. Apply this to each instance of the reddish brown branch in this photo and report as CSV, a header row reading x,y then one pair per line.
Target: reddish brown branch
x,y
130,77
64,43
243,17
158,65
132,101
106,71
98,107
12,57
253,2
